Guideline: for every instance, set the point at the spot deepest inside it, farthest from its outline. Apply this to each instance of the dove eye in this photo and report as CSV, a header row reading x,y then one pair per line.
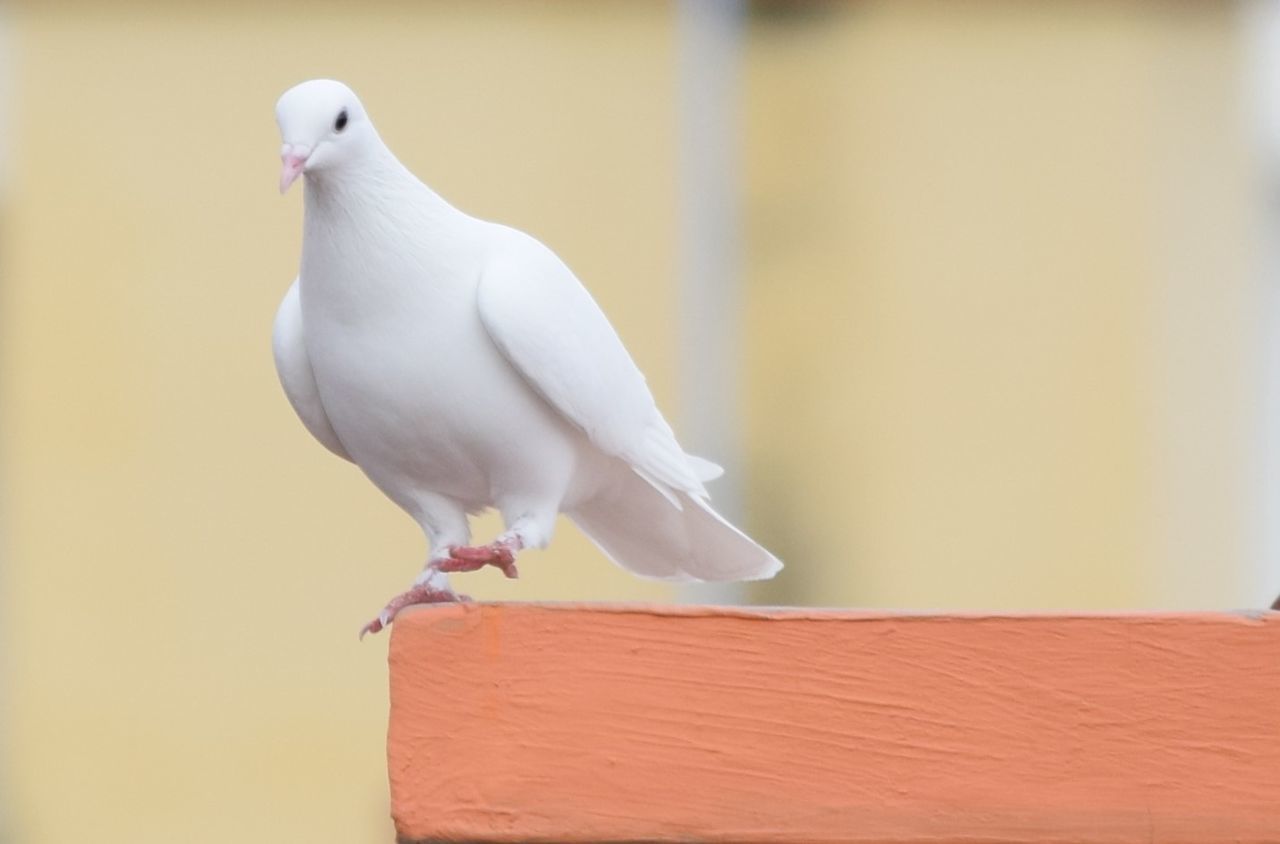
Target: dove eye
x,y
341,122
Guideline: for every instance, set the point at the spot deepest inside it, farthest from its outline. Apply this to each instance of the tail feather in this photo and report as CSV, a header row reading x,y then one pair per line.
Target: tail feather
x,y
639,529
705,469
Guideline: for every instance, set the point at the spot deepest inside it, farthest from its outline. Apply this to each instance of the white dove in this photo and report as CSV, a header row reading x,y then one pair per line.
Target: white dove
x,y
462,366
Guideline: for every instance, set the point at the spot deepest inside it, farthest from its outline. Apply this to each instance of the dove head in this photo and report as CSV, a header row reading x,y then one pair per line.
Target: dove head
x,y
323,126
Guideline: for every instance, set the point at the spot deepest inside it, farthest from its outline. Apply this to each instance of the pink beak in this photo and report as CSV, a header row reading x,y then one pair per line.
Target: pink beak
x,y
294,160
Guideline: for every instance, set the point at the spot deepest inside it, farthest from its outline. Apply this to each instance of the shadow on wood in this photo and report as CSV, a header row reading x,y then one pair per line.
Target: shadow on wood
x,y
622,724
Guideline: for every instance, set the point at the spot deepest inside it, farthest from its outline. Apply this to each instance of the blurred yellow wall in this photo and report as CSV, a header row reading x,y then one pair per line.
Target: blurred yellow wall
x,y
186,569
1004,333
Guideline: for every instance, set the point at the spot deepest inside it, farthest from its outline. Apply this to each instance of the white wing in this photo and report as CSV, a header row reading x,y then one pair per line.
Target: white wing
x,y
294,368
548,326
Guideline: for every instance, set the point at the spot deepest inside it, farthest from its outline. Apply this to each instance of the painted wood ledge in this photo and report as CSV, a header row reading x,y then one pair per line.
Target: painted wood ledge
x,y
586,723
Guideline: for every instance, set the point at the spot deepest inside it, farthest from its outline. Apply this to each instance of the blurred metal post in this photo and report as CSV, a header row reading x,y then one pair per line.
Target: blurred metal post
x,y
709,76
1260,37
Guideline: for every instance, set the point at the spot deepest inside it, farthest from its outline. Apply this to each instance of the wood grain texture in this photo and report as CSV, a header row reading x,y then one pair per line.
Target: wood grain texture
x,y
609,724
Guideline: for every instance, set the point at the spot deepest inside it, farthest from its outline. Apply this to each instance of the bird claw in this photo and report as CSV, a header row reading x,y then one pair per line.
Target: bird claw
x,y
376,625
501,554
416,595
470,558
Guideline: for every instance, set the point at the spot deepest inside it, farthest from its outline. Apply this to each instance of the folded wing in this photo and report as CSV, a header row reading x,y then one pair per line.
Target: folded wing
x,y
294,368
551,330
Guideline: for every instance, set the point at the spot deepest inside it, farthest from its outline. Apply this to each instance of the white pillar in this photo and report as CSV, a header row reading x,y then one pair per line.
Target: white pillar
x,y
709,76
1260,21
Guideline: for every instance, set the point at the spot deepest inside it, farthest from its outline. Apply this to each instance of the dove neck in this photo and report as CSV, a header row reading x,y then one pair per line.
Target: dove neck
x,y
359,224
375,185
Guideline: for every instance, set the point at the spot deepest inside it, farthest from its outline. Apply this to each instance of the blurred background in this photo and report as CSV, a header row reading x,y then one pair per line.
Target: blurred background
x,y
977,302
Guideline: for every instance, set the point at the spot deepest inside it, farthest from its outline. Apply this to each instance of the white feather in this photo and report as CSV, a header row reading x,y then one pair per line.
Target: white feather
x,y
294,369
462,366
554,333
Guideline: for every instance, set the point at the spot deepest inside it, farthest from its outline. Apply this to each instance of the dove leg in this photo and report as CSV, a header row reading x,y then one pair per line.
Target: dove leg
x,y
526,528
448,532
446,527
500,553
529,527
420,594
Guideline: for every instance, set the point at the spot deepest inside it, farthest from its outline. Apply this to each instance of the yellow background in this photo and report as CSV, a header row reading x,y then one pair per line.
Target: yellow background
x,y
1001,349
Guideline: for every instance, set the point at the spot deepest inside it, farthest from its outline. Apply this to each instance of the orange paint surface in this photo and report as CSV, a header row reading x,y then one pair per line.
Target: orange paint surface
x,y
611,724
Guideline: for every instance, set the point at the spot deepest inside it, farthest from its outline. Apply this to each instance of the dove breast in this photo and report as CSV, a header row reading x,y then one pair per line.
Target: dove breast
x,y
413,385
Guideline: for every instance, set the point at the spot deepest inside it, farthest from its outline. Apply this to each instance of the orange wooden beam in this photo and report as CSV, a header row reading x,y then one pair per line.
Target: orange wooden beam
x,y
624,724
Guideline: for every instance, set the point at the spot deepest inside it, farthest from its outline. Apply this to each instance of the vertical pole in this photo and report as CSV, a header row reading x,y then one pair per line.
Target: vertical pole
x,y
710,34
1260,37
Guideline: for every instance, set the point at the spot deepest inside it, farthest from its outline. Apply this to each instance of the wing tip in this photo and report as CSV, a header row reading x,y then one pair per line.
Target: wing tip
x,y
704,469
771,570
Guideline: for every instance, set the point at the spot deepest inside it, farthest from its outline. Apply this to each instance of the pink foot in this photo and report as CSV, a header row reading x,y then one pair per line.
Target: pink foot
x,y
416,595
501,554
